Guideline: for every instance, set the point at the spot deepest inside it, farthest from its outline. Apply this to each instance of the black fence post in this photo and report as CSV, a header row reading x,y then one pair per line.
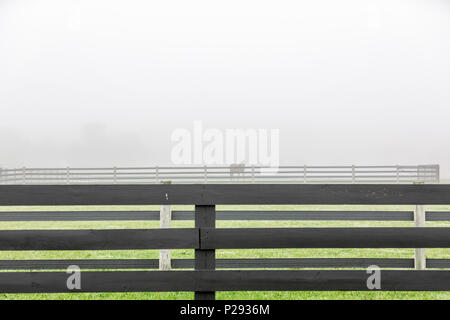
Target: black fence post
x,y
205,217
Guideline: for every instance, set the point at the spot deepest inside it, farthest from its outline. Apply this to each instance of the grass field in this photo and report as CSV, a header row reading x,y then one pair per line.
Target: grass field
x,y
260,253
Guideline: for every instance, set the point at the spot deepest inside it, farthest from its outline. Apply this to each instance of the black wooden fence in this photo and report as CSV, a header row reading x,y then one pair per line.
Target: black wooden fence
x,y
205,238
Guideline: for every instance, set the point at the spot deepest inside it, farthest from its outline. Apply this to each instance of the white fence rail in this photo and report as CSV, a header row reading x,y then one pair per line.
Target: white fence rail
x,y
222,174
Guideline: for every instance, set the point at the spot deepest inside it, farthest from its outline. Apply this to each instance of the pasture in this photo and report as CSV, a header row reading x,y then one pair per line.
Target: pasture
x,y
241,253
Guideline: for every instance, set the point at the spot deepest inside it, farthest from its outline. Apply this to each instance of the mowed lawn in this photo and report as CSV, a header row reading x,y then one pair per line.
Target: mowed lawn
x,y
254,253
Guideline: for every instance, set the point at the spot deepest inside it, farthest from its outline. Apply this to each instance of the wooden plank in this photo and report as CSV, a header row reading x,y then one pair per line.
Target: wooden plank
x,y
286,280
438,263
164,222
220,263
224,194
128,239
221,215
78,215
437,216
82,263
302,263
205,259
246,238
317,215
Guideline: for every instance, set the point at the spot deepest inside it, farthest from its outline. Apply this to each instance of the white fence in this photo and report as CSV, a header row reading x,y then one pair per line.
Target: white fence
x,y
222,174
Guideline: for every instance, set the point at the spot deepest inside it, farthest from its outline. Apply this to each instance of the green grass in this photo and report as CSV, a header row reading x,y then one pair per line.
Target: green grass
x,y
254,253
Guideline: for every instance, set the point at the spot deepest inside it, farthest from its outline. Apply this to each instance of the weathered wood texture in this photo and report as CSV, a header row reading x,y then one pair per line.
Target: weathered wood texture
x,y
220,263
205,217
222,215
78,215
164,222
204,281
437,216
438,263
115,264
99,239
223,194
241,238
420,259
205,238
236,238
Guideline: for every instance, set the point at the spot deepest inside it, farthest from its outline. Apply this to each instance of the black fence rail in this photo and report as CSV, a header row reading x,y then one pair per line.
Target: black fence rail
x,y
234,215
205,238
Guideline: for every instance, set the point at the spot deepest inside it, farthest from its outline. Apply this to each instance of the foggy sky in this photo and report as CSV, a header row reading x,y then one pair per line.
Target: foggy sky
x,y
103,83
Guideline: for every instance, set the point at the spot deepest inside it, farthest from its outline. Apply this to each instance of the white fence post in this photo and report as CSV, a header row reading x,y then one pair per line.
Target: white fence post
x,y
437,173
24,175
206,173
398,174
115,175
420,260
157,174
165,216
353,174
253,173
67,175
304,174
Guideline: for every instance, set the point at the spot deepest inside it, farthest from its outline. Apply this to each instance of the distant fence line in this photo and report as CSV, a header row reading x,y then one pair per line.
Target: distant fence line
x,y
222,174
